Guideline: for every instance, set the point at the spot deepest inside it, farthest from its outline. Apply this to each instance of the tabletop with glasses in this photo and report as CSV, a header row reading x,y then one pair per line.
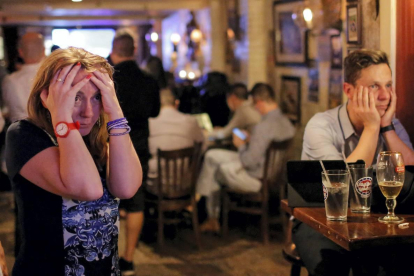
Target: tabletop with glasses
x,y
356,227
358,231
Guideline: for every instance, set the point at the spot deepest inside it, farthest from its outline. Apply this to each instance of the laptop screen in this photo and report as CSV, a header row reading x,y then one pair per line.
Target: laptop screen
x,y
203,120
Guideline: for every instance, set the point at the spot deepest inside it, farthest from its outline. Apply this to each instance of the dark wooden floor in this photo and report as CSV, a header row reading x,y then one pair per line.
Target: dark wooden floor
x,y
241,254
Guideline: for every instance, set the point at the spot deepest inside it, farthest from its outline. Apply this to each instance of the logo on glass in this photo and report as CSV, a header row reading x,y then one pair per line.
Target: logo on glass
x,y
363,186
325,192
400,169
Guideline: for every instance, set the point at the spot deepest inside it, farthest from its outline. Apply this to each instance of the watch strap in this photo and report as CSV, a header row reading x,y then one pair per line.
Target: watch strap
x,y
387,128
71,126
76,125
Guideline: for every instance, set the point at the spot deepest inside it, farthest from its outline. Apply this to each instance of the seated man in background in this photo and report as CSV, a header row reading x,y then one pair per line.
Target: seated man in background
x,y
171,130
16,87
360,129
245,115
242,170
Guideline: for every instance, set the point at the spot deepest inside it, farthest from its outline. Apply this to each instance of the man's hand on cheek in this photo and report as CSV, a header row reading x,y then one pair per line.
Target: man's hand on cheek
x,y
387,117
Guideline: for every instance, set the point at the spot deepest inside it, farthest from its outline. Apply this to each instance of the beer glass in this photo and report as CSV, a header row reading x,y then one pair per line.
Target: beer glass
x,y
360,188
390,177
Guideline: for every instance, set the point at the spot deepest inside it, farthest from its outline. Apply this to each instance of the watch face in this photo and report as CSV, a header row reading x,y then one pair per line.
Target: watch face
x,y
61,129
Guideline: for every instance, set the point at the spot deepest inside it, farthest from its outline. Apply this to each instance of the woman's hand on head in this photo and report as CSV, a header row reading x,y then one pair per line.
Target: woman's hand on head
x,y
59,98
108,95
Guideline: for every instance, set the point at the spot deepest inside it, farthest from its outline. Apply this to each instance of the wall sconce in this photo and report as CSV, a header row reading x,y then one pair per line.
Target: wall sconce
x,y
175,39
182,74
193,38
154,37
196,35
303,16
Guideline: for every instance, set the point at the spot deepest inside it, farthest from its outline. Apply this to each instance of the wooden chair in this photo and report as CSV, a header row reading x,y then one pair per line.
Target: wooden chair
x,y
175,188
275,162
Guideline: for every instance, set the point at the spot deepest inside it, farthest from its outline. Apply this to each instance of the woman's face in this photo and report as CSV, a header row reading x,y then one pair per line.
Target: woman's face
x,y
87,106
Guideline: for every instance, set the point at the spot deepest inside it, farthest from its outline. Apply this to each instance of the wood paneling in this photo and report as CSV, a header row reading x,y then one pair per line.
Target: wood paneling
x,y
405,65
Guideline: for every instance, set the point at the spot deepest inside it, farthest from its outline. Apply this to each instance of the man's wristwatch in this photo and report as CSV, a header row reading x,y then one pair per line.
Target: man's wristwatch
x,y
62,129
387,128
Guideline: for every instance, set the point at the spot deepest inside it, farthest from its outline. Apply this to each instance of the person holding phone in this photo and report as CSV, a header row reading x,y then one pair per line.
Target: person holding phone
x,y
69,163
242,170
239,133
245,115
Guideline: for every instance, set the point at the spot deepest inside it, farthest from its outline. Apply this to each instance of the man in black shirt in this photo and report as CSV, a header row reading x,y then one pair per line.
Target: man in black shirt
x,y
139,98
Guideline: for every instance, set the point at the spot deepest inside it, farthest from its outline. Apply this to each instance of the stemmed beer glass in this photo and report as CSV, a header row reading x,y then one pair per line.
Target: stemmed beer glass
x,y
390,176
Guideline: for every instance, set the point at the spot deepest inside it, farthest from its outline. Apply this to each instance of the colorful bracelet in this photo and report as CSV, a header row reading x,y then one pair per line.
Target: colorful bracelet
x,y
121,123
115,122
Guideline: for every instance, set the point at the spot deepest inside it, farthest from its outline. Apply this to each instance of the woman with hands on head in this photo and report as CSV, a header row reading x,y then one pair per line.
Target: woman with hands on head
x,y
67,177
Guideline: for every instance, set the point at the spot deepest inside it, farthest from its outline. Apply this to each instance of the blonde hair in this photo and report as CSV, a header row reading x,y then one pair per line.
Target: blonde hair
x,y
40,116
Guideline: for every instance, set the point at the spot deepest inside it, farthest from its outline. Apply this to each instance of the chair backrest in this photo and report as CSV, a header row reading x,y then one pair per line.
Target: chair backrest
x,y
275,163
178,171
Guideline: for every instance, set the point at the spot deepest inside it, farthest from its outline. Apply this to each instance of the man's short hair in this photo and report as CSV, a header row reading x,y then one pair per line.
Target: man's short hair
x,y
239,90
32,46
123,44
167,97
264,92
361,59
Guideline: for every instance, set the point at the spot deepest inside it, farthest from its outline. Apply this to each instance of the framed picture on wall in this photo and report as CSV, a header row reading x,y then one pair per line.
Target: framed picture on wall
x,y
336,51
290,97
353,24
335,88
289,39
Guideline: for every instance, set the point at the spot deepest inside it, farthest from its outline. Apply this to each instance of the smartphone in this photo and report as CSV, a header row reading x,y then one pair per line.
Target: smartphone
x,y
239,133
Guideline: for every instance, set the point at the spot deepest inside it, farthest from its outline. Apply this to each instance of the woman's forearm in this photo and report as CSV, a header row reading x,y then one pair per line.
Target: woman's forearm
x,y
124,171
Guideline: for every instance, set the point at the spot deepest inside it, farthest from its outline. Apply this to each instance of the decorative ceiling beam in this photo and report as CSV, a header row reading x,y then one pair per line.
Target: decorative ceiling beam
x,y
166,5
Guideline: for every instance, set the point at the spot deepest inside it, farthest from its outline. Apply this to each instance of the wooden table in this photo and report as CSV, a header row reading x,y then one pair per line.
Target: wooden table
x,y
359,231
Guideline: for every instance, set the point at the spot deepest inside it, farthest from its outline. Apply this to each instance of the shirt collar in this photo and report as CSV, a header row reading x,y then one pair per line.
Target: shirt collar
x,y
345,122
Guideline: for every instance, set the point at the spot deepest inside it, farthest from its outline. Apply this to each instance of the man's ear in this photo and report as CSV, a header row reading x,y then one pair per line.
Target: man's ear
x,y
176,103
348,88
43,97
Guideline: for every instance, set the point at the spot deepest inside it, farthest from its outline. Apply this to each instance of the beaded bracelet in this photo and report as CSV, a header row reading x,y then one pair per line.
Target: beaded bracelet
x,y
117,121
121,123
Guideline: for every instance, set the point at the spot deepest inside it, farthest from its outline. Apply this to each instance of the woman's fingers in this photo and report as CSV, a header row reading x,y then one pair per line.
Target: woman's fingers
x,y
102,76
56,76
71,75
63,73
80,84
103,83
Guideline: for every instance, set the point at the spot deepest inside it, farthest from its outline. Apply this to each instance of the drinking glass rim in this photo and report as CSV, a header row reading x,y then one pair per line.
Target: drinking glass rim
x,y
361,168
340,172
389,152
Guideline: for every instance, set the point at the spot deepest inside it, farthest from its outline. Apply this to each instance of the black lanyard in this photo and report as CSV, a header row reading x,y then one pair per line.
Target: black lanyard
x,y
340,124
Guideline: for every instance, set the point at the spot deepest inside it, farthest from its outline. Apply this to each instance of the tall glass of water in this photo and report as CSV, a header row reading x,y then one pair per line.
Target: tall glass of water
x,y
336,191
390,177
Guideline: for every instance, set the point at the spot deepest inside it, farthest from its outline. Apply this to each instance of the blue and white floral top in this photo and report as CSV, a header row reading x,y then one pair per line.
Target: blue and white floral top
x,y
60,236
